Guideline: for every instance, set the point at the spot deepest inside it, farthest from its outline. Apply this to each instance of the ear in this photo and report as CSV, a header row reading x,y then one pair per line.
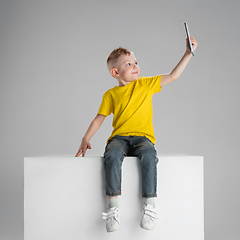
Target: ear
x,y
114,72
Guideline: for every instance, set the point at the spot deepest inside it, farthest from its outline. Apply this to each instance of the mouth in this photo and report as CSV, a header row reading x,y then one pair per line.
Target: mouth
x,y
135,72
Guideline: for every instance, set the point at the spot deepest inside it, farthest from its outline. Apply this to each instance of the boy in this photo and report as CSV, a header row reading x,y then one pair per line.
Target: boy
x,y
133,135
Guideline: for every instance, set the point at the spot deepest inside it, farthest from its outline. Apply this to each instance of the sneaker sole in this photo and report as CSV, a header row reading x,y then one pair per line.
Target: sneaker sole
x,y
145,228
113,229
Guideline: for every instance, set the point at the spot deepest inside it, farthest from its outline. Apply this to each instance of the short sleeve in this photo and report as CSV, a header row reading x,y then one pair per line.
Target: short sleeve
x,y
154,83
106,105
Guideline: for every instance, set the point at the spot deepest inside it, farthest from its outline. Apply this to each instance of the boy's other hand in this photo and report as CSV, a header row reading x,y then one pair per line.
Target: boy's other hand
x,y
83,148
194,44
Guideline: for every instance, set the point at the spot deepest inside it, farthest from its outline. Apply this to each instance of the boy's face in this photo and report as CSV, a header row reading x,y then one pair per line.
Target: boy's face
x,y
127,68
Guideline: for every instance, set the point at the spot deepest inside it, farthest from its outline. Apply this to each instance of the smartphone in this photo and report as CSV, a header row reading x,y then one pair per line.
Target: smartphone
x,y
189,40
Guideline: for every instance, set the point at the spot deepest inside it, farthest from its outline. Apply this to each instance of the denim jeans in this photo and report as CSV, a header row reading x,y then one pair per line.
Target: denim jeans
x,y
119,147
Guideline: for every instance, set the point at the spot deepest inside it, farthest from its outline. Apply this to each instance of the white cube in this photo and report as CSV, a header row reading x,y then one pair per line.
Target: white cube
x,y
64,198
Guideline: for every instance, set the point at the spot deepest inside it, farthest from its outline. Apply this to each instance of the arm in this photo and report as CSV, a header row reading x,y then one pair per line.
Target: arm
x,y
177,71
94,126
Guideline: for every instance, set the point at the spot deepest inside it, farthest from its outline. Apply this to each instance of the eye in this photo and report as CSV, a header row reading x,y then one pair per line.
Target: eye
x,y
128,64
136,63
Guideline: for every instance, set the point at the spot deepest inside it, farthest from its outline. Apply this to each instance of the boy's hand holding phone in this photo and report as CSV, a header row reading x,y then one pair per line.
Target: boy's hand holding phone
x,y
193,42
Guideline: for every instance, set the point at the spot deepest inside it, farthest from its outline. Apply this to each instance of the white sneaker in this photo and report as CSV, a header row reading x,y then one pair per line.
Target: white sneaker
x,y
113,219
149,214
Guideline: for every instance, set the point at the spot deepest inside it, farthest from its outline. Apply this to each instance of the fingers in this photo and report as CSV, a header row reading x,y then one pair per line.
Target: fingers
x,y
83,151
78,153
89,146
83,148
193,41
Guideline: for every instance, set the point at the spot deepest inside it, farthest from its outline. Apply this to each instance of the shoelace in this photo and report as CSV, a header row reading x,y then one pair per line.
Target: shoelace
x,y
150,211
112,212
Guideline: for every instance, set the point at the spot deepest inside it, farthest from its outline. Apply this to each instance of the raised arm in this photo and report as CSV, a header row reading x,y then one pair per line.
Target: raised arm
x,y
177,71
94,126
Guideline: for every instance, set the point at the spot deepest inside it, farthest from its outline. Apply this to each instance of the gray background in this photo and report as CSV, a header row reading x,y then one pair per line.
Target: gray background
x,y
53,74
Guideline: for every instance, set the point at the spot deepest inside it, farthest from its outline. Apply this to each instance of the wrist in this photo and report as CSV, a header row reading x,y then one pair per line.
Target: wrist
x,y
85,139
188,53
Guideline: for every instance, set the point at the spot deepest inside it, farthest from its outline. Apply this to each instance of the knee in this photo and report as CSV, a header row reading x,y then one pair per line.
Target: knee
x,y
149,157
112,157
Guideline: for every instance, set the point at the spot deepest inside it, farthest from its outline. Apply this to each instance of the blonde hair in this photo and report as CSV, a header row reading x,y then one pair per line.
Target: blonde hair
x,y
115,54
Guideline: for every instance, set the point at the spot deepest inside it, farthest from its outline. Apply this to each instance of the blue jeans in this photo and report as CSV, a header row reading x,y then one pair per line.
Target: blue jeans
x,y
119,147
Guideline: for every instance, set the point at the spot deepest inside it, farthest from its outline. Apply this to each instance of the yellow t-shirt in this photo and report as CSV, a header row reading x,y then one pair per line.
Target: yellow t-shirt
x,y
131,106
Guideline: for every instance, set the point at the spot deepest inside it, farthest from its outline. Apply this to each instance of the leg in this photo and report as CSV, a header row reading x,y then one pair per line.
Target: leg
x,y
113,157
115,152
145,151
